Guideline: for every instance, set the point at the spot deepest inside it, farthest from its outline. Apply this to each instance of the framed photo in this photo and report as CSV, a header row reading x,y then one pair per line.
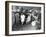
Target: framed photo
x,y
24,18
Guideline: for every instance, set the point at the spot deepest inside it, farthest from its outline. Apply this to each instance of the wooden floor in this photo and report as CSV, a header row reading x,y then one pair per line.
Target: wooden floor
x,y
28,27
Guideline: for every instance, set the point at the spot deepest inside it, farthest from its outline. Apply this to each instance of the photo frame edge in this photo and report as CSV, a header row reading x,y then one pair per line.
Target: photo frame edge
x,y
7,17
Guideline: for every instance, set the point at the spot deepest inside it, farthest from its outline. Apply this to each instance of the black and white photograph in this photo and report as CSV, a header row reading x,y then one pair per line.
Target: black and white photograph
x,y
25,18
